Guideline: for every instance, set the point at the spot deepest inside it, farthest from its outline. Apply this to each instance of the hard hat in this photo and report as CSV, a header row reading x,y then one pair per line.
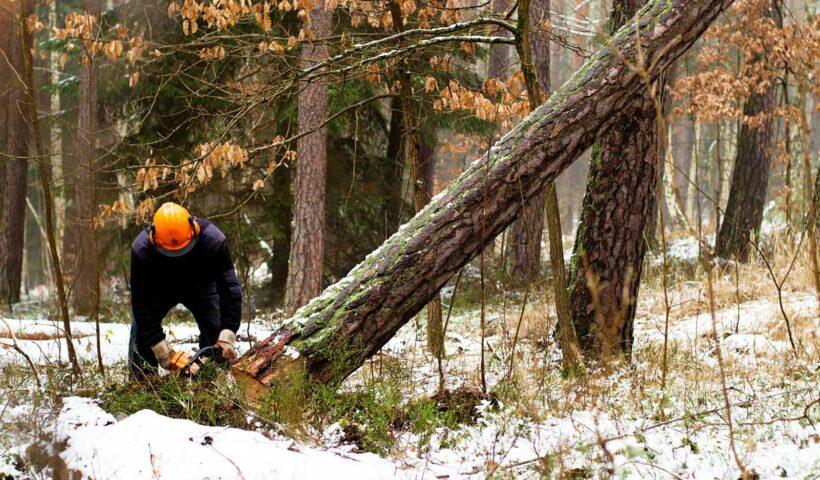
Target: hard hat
x,y
174,231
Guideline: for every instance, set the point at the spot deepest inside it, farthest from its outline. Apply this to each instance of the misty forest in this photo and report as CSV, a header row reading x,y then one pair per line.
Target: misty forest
x,y
415,239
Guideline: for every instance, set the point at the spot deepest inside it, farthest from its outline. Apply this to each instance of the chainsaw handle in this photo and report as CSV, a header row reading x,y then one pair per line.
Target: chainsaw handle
x,y
198,354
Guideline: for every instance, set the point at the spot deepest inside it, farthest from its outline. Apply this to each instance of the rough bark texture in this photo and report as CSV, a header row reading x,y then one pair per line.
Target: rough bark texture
x,y
435,326
566,335
336,332
56,135
539,41
618,204
86,292
42,168
421,161
499,54
14,159
395,158
750,176
307,240
524,245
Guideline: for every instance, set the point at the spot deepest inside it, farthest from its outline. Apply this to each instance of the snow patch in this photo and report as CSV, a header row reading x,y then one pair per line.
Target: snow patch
x,y
147,445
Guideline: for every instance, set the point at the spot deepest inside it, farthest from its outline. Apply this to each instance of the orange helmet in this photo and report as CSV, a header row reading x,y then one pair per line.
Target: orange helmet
x,y
174,230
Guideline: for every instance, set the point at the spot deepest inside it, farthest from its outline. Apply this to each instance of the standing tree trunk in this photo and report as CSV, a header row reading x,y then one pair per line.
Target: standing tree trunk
x,y
499,54
395,158
42,168
15,161
618,207
86,294
56,135
524,244
435,326
422,169
532,77
716,166
692,193
308,236
750,177
336,332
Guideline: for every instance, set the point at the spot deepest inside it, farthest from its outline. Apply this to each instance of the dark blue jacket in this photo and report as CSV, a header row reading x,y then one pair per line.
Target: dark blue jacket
x,y
159,282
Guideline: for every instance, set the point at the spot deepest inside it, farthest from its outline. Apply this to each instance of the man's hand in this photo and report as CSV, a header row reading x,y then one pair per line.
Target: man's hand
x,y
172,360
226,342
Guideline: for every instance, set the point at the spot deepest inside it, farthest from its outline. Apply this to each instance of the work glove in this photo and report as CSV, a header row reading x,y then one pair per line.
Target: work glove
x,y
172,360
226,342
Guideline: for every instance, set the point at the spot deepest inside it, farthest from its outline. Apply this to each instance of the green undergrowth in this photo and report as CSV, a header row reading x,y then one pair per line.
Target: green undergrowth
x,y
371,415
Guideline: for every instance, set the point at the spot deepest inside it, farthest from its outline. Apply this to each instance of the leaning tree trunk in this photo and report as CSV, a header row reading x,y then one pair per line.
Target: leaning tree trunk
x,y
14,158
307,240
750,177
86,294
336,332
618,207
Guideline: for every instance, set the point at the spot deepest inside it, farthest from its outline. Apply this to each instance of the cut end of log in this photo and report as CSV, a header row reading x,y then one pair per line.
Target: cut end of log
x,y
268,362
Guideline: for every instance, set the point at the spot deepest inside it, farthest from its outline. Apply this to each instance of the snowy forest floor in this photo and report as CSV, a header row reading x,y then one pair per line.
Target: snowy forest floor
x,y
387,421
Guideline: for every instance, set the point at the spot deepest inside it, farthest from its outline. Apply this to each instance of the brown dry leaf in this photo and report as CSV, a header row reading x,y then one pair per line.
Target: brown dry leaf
x,y
430,84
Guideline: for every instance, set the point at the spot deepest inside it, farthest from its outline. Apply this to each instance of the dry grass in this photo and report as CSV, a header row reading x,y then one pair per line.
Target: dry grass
x,y
541,392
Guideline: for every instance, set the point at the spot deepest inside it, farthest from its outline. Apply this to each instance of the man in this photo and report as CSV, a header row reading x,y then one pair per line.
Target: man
x,y
181,259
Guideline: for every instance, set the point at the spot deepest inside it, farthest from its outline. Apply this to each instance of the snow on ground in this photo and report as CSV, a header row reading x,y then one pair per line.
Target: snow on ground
x,y
638,450
747,327
148,445
44,340
649,449
774,438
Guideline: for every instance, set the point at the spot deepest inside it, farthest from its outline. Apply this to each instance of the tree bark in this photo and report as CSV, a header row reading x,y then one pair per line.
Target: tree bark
x,y
435,325
566,335
716,169
422,169
86,293
15,161
305,264
56,135
618,207
750,177
336,332
395,159
42,168
499,54
524,244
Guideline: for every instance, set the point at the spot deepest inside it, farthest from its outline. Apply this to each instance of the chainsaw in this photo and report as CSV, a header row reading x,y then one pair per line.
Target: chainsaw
x,y
199,353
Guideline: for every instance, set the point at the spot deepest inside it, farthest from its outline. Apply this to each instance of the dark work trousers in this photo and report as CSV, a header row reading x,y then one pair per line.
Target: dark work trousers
x,y
205,308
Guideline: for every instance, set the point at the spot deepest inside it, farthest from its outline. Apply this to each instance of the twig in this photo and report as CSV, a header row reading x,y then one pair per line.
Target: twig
x,y
440,358
16,347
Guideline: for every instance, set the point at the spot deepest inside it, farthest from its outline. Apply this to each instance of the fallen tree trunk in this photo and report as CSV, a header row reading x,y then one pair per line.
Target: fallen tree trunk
x,y
330,337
